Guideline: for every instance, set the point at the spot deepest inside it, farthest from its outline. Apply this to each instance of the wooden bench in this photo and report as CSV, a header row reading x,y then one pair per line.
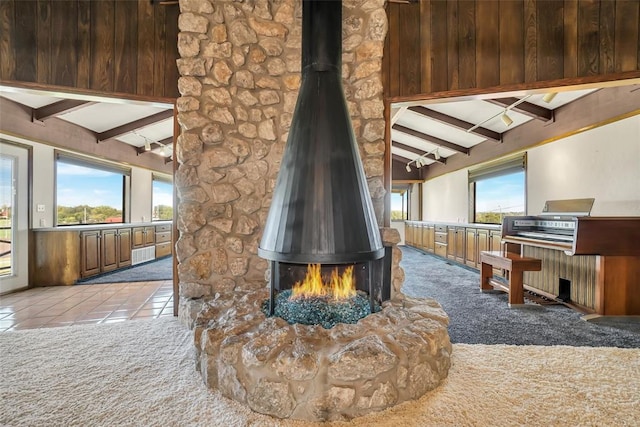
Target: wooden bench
x,y
514,264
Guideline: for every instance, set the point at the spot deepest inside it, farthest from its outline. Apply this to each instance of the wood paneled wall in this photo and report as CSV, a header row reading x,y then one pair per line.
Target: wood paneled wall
x,y
111,46
438,45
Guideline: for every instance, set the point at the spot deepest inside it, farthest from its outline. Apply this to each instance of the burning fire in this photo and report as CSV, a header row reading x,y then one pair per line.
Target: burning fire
x,y
340,287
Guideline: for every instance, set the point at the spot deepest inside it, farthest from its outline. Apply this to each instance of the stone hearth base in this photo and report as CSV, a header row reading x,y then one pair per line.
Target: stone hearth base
x,y
315,374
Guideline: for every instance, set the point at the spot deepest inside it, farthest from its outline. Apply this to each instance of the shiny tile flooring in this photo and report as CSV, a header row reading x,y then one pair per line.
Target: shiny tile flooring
x,y
55,306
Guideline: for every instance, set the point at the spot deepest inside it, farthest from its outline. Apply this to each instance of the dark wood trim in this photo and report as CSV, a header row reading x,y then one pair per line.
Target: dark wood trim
x,y
431,139
129,127
460,124
64,106
86,92
615,79
526,108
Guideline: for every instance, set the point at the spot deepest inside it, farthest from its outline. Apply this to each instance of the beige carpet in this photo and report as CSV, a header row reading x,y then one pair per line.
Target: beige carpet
x,y
141,373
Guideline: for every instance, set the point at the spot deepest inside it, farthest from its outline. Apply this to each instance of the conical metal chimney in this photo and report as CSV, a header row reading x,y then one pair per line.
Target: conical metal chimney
x,y
321,211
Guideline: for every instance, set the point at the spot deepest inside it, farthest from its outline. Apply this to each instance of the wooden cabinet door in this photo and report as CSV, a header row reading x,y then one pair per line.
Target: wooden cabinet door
x,y
460,244
430,238
89,253
472,248
137,237
149,236
124,247
451,243
496,240
109,258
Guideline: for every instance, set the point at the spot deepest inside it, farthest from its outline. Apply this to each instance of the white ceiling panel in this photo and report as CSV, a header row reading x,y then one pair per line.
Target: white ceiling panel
x,y
101,117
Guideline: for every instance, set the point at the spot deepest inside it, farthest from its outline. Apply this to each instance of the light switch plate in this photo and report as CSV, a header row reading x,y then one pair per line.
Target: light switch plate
x,y
40,208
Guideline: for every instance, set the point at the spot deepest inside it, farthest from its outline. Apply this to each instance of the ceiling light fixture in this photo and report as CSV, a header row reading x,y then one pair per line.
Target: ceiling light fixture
x,y
165,151
506,119
422,160
147,145
501,113
549,97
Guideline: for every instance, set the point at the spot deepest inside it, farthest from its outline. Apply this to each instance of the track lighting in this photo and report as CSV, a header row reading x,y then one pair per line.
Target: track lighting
x,y
436,154
549,97
165,151
408,168
147,145
506,119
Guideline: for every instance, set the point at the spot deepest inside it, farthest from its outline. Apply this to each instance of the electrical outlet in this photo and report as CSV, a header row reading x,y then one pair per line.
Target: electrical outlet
x,y
43,222
40,208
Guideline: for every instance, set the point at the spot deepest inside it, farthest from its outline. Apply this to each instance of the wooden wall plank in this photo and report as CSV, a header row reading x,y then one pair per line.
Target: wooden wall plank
x,y
626,35
588,38
467,43
550,40
63,41
146,49
102,23
7,52
453,41
439,47
43,38
606,63
171,52
25,41
125,46
425,46
83,57
159,47
511,42
570,33
409,62
488,43
530,42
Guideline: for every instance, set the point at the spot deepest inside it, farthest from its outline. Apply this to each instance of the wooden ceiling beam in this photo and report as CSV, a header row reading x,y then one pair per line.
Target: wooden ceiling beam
x,y
130,127
526,108
460,124
431,139
57,108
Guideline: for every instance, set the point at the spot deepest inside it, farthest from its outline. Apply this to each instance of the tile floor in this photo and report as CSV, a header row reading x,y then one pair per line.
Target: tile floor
x,y
55,306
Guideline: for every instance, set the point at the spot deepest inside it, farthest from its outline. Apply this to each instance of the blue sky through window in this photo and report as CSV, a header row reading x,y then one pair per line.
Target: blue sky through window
x,y
78,185
501,194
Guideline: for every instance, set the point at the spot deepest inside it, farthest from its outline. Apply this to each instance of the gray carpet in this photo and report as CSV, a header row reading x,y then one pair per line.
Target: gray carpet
x,y
160,269
485,318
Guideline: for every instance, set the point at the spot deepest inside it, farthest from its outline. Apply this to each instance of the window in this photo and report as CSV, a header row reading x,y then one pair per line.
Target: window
x,y
497,190
89,191
162,198
399,205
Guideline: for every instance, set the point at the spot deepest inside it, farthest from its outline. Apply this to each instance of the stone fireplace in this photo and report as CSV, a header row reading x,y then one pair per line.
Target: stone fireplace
x,y
241,73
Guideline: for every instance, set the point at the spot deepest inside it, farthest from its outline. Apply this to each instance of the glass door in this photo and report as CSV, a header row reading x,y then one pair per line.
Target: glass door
x,y
14,269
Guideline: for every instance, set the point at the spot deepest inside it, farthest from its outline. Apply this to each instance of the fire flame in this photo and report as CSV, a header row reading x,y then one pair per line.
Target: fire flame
x,y
340,287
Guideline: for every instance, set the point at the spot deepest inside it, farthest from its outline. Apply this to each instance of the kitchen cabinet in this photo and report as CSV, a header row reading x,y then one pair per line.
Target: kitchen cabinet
x,y
163,240
90,251
455,243
143,236
471,252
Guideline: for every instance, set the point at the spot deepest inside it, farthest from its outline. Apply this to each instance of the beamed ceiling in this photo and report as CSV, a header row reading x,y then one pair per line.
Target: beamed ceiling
x,y
146,126
423,133
433,133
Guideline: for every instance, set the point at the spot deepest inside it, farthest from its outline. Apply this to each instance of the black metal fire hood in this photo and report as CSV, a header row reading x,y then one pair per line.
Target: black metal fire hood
x,y
321,211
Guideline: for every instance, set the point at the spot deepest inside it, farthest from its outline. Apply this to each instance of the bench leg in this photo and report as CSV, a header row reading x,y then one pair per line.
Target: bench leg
x,y
486,273
516,292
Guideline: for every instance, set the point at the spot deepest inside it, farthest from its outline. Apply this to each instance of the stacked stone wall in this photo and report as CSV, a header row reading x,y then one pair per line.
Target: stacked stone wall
x,y
239,72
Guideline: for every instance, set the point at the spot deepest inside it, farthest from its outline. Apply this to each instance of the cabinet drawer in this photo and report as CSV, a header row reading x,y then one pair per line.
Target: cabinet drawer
x,y
163,249
441,249
441,228
164,236
165,227
441,238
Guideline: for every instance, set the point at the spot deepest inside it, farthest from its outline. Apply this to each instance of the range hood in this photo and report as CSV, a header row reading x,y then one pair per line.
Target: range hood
x,y
321,210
